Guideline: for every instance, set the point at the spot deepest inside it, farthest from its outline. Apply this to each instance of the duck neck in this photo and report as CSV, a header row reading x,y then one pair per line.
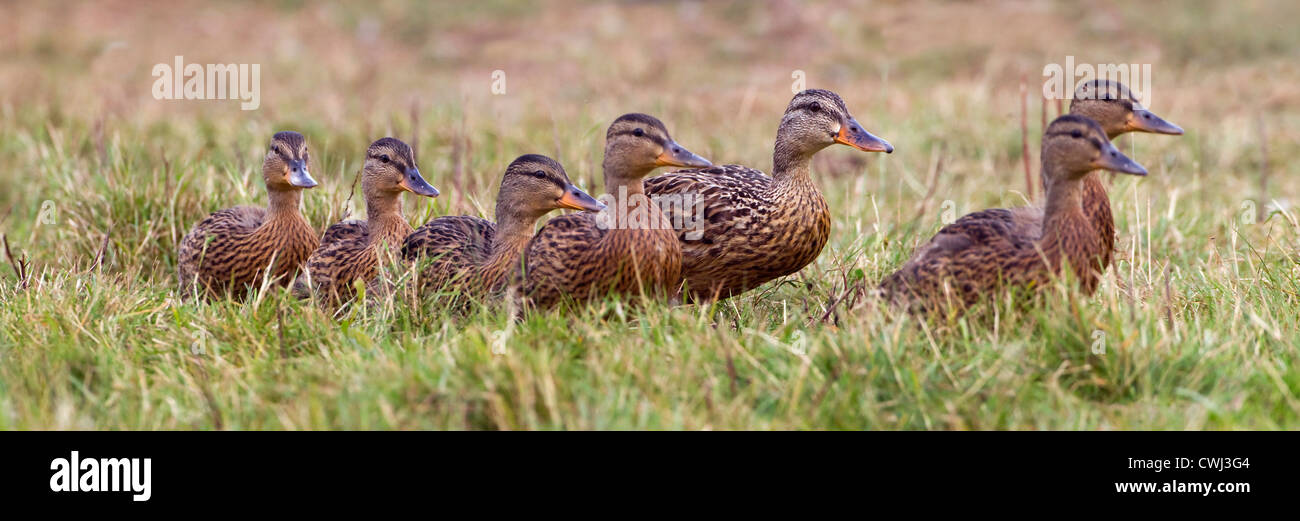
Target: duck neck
x,y
283,203
619,175
790,164
633,211
1064,201
384,217
791,171
1066,228
514,230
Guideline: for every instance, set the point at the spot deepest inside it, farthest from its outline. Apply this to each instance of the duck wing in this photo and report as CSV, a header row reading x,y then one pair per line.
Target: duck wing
x,y
968,258
562,259
343,256
209,252
451,246
739,238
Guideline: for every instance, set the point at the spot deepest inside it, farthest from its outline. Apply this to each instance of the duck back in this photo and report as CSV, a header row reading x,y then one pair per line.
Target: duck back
x,y
232,249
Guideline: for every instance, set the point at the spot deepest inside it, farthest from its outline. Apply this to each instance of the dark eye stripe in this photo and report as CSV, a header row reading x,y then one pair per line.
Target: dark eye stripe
x,y
657,139
809,106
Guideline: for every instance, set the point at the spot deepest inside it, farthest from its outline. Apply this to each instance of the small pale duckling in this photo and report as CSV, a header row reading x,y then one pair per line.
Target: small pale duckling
x,y
353,250
232,249
477,257
988,254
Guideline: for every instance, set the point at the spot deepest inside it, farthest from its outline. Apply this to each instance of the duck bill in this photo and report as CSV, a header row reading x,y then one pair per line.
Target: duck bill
x,y
413,182
298,175
852,134
1111,159
677,155
575,199
1142,120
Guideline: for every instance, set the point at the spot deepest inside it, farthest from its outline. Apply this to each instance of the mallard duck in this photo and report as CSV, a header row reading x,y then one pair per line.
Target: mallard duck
x,y
631,247
353,250
989,252
476,256
1113,106
235,248
755,227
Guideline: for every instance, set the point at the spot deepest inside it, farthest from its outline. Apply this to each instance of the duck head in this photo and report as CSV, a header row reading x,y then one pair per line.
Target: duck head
x,y
287,161
1113,106
535,184
390,169
636,144
1075,145
816,119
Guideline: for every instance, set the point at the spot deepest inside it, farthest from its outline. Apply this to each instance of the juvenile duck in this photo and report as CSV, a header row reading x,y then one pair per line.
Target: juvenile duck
x,y
989,253
1117,110
478,257
631,247
234,248
755,227
353,250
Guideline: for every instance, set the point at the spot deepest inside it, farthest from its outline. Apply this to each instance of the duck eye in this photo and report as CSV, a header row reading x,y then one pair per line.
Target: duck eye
x,y
638,132
539,174
384,157
1076,134
815,107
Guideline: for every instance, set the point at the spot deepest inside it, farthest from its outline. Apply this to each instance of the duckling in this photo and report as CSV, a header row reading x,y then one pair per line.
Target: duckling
x,y
1113,106
988,253
478,257
631,247
353,250
234,248
755,227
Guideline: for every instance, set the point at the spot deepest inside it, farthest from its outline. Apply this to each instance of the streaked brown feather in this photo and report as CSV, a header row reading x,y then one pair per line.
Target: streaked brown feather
x,y
752,232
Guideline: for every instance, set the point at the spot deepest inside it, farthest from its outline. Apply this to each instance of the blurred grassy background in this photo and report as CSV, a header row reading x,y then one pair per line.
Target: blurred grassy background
x,y
1200,312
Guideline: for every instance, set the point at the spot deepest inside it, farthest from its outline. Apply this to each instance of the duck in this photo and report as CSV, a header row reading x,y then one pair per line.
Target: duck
x,y
990,253
1113,106
233,249
477,257
751,227
630,248
353,250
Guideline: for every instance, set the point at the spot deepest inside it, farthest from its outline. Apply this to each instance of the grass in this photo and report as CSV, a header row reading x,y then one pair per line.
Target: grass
x,y
1198,318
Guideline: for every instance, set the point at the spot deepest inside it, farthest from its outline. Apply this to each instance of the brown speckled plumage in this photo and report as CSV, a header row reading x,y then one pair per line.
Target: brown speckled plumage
x,y
994,249
630,248
235,248
1113,106
758,227
755,228
354,250
476,257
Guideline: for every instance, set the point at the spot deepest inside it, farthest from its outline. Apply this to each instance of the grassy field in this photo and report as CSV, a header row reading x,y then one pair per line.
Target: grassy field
x,y
1199,319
